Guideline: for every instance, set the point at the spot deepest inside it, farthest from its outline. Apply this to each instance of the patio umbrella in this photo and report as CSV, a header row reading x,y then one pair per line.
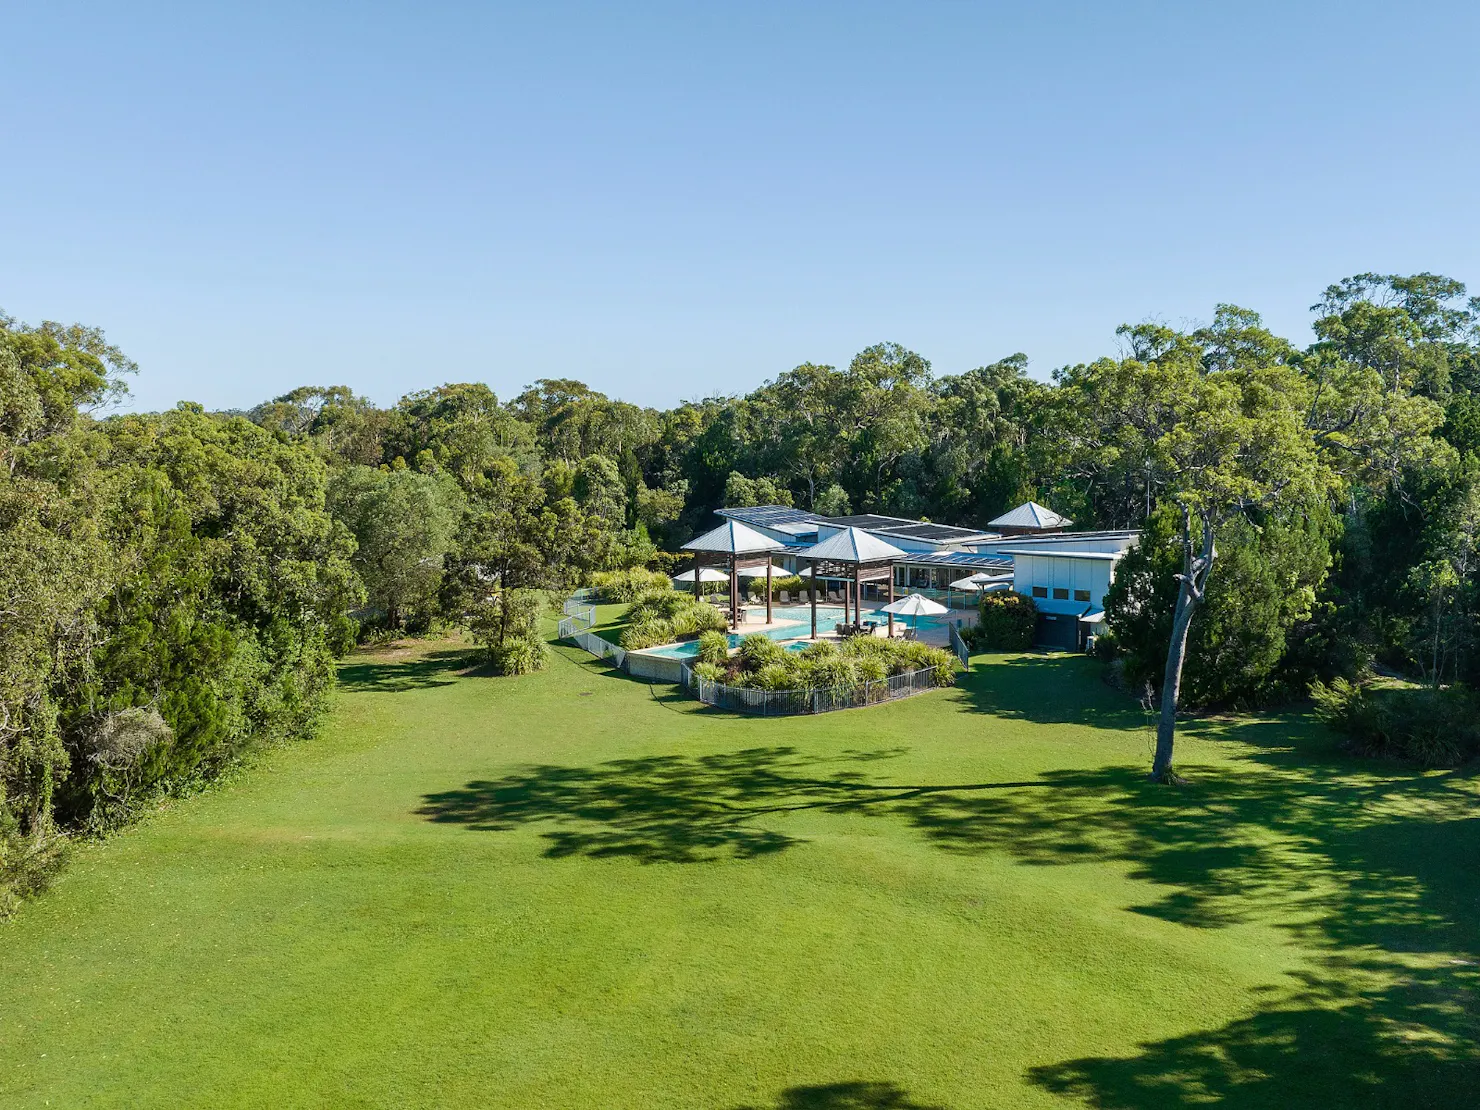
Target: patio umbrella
x,y
760,572
915,605
976,583
706,574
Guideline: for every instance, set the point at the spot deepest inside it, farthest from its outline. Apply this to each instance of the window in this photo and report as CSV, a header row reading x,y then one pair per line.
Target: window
x,y
1060,594
1081,595
1040,591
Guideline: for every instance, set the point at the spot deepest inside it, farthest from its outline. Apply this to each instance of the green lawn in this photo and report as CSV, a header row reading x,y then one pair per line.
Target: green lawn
x,y
576,890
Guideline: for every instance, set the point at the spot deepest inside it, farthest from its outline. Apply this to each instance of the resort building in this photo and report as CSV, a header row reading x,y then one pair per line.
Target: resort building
x,y
1028,550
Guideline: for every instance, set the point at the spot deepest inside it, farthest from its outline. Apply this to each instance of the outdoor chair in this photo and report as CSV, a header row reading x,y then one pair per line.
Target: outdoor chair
x,y
911,634
785,597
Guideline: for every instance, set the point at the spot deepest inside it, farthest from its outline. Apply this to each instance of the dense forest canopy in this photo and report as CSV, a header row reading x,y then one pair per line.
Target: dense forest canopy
x,y
174,586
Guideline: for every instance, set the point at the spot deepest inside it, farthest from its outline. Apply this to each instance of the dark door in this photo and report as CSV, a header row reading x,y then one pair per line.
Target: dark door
x,y
1057,630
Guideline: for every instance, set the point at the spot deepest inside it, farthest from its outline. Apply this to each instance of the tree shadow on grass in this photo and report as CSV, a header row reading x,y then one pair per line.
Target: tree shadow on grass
x,y
1057,688
1374,867
847,1096
673,809
423,672
1408,1044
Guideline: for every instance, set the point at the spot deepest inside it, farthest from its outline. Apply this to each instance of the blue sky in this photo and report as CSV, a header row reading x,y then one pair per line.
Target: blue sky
x,y
670,201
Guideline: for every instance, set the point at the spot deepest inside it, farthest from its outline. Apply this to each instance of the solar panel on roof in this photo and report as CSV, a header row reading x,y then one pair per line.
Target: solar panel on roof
x,y
767,515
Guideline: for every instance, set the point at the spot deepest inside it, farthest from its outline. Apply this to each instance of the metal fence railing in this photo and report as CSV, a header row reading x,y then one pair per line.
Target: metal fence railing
x,y
785,703
602,649
584,596
577,620
958,645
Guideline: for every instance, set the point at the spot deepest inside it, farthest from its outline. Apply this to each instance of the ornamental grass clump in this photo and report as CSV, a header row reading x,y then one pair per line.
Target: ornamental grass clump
x,y
714,648
758,649
838,669
663,616
630,584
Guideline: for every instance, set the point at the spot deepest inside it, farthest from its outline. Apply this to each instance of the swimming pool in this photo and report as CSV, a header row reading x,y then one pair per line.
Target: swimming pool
x,y
796,621
690,648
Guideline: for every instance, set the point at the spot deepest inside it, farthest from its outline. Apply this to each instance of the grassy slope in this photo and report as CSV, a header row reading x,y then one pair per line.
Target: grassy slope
x,y
572,890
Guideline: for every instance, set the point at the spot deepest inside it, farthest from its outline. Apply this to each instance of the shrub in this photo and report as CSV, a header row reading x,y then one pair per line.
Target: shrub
x,y
709,672
515,657
714,648
776,676
646,633
758,649
1007,622
629,584
1434,728
837,672
507,627
662,616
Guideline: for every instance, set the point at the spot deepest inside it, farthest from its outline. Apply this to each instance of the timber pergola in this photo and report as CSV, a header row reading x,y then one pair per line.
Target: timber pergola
x,y
735,546
856,557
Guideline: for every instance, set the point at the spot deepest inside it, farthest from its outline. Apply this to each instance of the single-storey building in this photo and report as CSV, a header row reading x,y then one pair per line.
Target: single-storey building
x,y
1066,573
1068,586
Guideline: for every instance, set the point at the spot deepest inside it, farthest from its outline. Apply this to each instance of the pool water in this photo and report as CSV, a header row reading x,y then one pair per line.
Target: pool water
x,y
690,648
797,621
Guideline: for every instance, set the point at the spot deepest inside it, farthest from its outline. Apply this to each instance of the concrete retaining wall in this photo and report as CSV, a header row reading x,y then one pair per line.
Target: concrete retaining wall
x,y
656,668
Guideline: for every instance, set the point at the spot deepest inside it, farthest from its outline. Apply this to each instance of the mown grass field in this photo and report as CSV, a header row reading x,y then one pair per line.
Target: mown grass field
x,y
576,890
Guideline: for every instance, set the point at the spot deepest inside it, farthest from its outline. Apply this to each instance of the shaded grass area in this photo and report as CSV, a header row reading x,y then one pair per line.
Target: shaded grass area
x,y
577,890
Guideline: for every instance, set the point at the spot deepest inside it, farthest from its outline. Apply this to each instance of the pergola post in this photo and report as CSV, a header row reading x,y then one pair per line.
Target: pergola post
x,y
734,596
768,591
891,600
698,567
857,594
813,584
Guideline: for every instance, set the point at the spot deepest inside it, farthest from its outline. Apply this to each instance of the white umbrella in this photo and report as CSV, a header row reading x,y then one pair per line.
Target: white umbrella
x,y
980,582
915,605
706,574
760,572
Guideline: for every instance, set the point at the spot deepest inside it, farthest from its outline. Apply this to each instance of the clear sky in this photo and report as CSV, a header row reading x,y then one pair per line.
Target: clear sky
x,y
670,201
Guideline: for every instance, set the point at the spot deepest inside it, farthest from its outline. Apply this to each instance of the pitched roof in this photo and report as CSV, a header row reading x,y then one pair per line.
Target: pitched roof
x,y
733,538
1030,514
852,545
767,516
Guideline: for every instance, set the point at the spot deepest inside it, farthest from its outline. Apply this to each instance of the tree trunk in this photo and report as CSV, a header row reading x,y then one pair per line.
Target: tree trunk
x,y
1171,686
1196,565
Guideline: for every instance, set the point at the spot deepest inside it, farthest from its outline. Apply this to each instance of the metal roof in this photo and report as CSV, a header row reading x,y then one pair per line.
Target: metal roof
x,y
853,545
1030,514
768,516
1055,553
1055,539
909,529
733,538
990,561
784,518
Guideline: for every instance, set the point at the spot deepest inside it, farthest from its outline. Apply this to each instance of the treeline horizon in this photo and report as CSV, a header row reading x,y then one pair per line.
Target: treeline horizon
x,y
175,586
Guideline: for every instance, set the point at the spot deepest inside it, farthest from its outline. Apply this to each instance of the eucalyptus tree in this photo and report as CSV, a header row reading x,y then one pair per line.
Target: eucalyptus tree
x,y
1214,444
